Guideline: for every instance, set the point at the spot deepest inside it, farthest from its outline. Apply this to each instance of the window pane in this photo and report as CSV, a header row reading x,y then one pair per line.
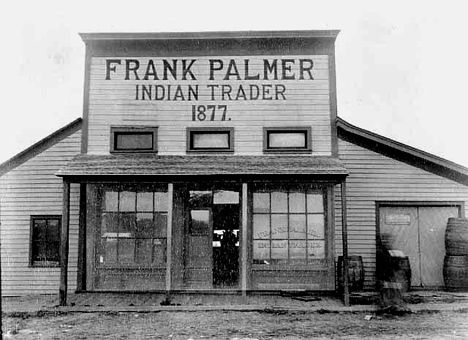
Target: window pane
x,y
261,250
144,225
210,140
52,251
53,230
111,201
145,201
287,140
261,226
316,249
225,197
39,250
160,201
110,224
200,222
109,246
279,250
126,250
279,202
127,201
297,227
144,251
160,224
261,202
279,226
297,202
314,203
159,251
315,226
297,250
127,225
39,230
134,141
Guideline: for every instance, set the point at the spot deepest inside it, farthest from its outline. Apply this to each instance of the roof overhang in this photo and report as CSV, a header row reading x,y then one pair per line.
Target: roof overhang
x,y
224,35
146,166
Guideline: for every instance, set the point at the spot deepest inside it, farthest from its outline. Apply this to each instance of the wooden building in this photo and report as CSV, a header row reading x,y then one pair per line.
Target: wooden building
x,y
214,162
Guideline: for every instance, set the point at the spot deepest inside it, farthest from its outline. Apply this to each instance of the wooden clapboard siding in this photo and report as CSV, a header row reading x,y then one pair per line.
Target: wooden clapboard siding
x,y
374,177
31,188
112,102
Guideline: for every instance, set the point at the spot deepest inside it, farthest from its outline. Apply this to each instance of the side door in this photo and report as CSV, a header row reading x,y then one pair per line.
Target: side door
x,y
199,260
399,231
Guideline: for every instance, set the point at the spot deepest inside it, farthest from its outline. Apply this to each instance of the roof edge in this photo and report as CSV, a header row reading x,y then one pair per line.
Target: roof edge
x,y
410,155
40,146
209,35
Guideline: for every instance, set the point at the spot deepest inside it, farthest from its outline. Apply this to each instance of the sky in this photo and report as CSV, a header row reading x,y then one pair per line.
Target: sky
x,y
401,66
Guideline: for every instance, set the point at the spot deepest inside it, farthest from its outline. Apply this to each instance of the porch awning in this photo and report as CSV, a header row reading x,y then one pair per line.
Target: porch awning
x,y
157,165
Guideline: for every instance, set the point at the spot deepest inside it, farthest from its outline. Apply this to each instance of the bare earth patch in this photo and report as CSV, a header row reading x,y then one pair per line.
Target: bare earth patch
x,y
236,326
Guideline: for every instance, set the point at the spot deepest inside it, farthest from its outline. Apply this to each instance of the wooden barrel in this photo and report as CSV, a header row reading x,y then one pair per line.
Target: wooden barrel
x,y
456,272
401,272
456,237
355,271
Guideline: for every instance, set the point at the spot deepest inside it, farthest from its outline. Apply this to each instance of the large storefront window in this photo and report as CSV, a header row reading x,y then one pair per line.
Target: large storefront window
x,y
133,227
288,226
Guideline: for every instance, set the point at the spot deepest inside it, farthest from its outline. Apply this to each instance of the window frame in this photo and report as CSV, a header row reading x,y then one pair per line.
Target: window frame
x,y
115,130
210,130
293,263
43,264
287,129
101,210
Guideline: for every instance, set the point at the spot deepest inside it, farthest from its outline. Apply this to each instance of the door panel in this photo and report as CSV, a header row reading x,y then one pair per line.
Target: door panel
x,y
199,272
399,231
420,233
432,224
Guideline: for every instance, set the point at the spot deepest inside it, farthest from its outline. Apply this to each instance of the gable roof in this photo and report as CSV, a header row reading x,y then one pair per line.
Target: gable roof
x,y
40,146
402,152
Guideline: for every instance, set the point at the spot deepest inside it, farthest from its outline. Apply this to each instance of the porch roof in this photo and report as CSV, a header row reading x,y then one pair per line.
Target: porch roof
x,y
156,165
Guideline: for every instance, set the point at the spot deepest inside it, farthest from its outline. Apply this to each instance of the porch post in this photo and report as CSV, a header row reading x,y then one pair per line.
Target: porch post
x,y
344,231
81,265
244,244
170,198
64,244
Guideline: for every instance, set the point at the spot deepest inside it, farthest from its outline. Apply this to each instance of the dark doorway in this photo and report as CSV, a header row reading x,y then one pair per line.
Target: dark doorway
x,y
226,245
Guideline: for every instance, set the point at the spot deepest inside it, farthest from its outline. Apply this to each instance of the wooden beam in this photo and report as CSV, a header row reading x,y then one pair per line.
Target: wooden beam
x,y
344,231
64,244
81,266
244,239
170,198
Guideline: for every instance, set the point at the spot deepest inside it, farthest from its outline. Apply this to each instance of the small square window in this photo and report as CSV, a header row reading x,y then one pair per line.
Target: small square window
x,y
210,139
289,139
45,241
133,139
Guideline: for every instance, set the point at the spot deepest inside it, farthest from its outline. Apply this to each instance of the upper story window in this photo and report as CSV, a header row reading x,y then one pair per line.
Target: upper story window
x,y
133,139
210,140
45,240
287,139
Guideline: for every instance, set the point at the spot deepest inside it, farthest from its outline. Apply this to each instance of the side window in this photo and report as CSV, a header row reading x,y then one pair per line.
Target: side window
x,y
287,139
45,241
210,140
128,139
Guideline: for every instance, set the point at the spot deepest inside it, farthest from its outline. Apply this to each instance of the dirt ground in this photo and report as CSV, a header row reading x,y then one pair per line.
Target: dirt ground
x,y
236,325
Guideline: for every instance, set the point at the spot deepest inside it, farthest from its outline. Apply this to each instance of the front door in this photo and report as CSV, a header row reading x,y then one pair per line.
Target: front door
x,y
419,232
199,273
